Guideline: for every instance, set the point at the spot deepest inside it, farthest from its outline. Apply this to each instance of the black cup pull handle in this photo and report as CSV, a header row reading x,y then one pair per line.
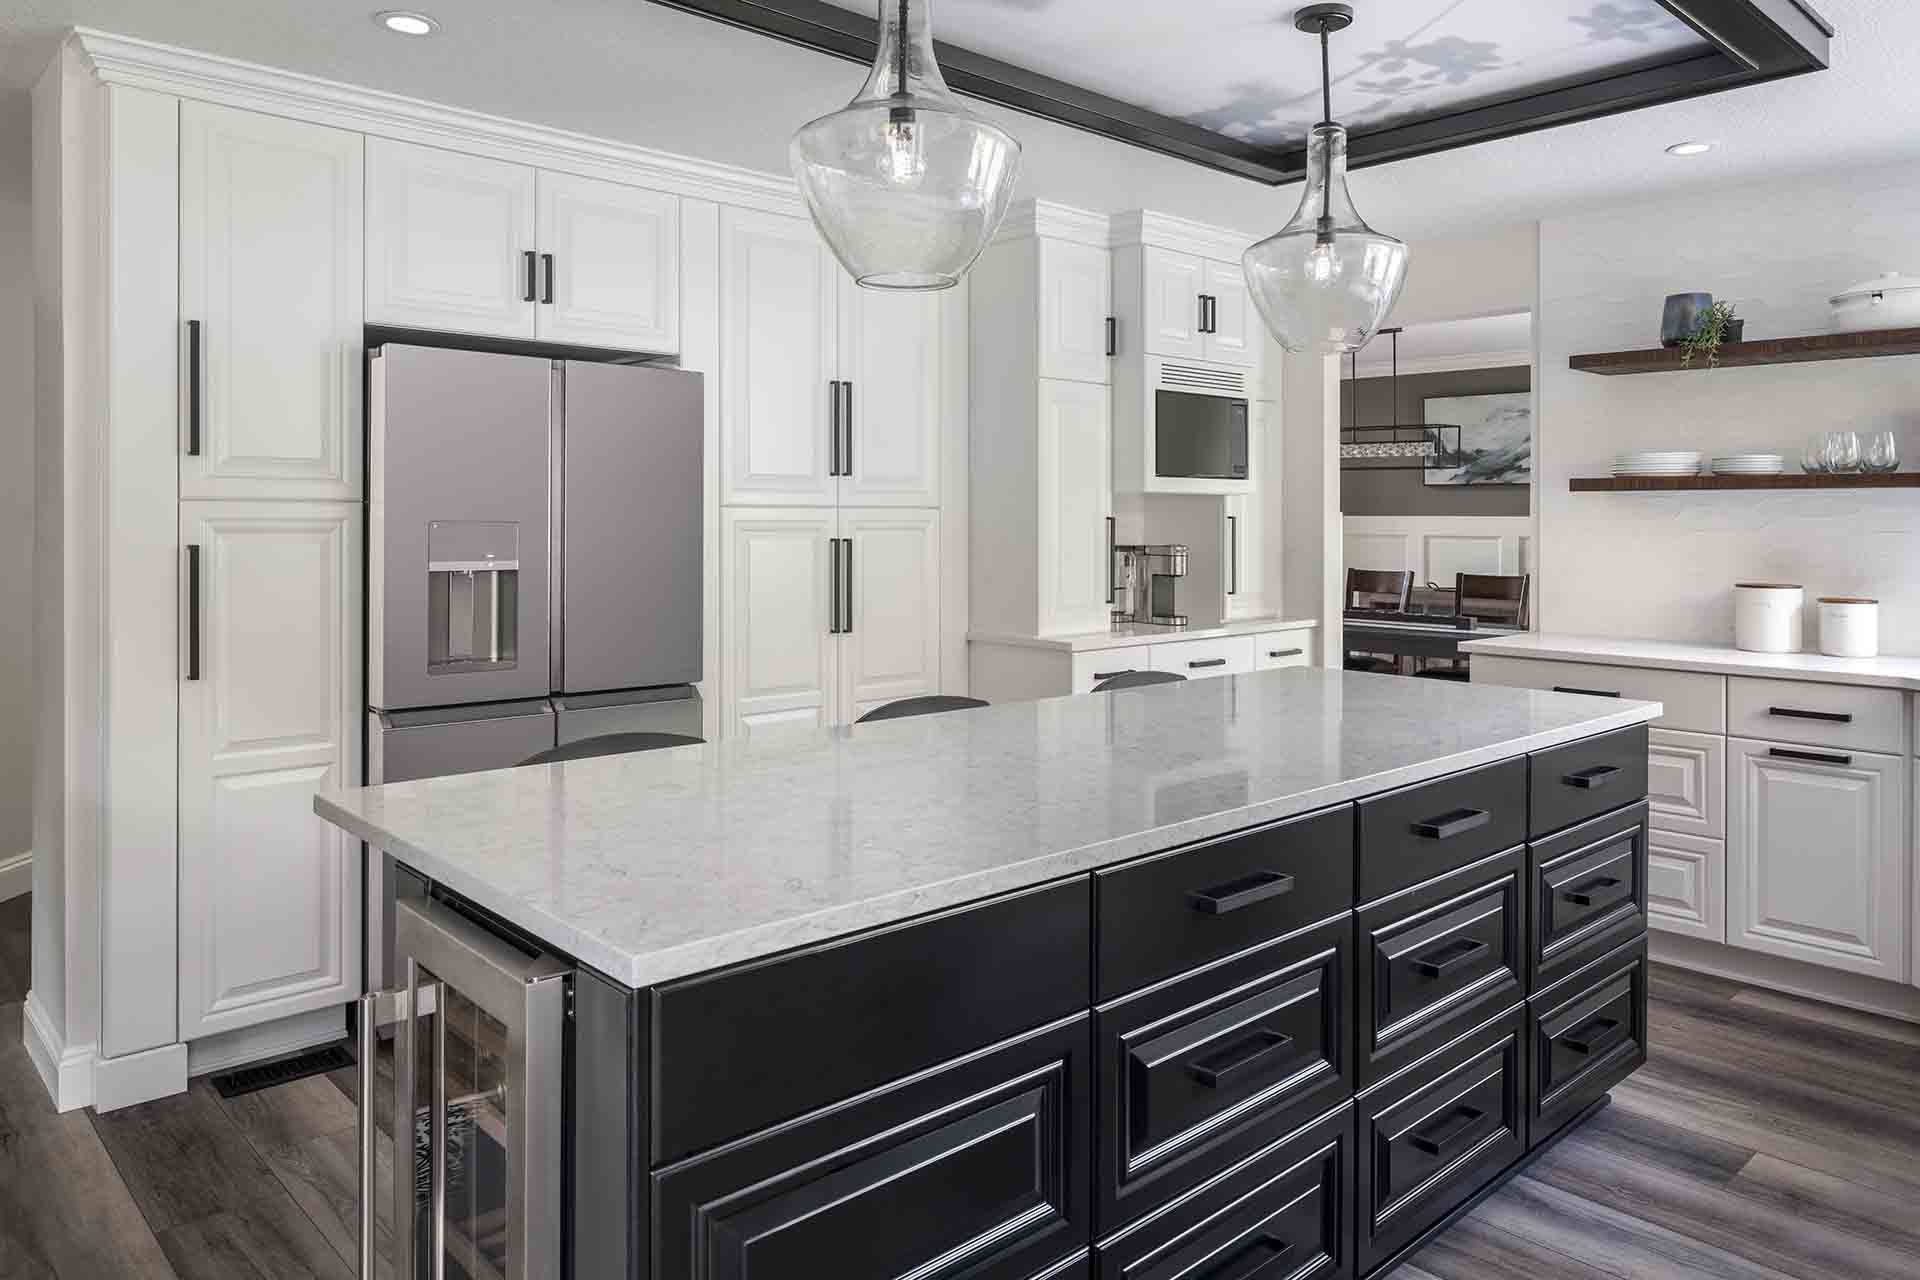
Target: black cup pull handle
x,y
1239,1058
1595,1037
1264,1259
1448,1132
1589,779
1453,823
1442,960
531,261
1591,693
1207,662
1243,892
1593,891
1795,713
1817,757
1113,335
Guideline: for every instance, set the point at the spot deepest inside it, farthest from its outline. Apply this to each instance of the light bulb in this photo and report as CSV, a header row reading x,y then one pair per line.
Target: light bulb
x,y
906,161
1323,264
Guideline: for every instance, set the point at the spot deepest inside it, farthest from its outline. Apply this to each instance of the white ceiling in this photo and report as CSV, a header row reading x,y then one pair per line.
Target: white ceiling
x,y
639,72
1454,344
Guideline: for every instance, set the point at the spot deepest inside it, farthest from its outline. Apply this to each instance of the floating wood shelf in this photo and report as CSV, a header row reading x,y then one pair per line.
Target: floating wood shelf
x,y
1819,346
1667,484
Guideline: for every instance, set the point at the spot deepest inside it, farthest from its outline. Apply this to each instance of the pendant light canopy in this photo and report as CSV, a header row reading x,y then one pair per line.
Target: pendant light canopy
x,y
1325,281
906,185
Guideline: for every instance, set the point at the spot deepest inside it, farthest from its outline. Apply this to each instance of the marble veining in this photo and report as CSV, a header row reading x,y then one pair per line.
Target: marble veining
x,y
1125,635
1882,672
654,866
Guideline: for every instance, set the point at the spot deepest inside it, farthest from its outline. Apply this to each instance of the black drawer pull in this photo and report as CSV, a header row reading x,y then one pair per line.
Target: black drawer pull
x,y
1595,1036
1285,653
1453,823
1267,1256
1220,1068
1207,662
1113,335
1591,693
1098,676
1437,962
1244,892
1794,713
1444,1135
1588,779
1593,891
1818,757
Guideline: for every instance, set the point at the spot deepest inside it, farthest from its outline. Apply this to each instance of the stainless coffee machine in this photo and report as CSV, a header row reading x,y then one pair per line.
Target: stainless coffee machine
x,y
1143,583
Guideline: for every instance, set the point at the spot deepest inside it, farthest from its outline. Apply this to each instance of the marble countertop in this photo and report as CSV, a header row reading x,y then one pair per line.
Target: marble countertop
x,y
1886,673
1125,635
658,865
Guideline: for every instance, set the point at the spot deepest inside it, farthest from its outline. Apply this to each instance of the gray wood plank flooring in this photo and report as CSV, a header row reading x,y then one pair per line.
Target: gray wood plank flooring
x,y
1767,1137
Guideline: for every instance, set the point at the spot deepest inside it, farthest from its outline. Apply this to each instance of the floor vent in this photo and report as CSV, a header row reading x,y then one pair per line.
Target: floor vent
x,y
231,1084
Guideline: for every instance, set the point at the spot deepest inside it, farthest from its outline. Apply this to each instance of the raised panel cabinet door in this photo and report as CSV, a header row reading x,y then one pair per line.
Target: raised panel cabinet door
x,y
450,241
779,652
890,607
1817,863
1687,782
893,360
1687,885
1076,298
269,894
1076,498
271,275
609,271
1236,333
1173,289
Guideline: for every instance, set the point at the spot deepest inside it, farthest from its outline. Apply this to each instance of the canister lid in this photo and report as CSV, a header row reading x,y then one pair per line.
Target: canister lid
x,y
1768,586
1847,600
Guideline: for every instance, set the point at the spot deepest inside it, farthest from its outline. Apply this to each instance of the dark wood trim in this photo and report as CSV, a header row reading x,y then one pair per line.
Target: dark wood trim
x,y
1807,349
1667,484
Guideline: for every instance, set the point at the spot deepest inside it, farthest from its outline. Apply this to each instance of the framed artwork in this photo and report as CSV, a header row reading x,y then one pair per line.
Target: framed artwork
x,y
1496,439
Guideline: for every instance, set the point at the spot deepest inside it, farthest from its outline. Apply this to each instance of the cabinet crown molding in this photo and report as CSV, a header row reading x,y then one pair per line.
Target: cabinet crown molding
x,y
1028,219
126,60
1183,235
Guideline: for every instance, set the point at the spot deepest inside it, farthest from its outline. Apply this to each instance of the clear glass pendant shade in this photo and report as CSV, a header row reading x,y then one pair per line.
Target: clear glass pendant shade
x,y
905,184
1326,281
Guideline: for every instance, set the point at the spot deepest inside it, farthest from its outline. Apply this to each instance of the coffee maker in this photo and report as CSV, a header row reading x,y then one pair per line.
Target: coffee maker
x,y
1144,577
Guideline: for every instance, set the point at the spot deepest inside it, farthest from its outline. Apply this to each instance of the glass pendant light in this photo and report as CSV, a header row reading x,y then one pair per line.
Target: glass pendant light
x,y
1325,281
905,184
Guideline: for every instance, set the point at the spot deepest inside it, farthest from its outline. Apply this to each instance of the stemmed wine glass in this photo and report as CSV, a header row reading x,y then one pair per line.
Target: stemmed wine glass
x,y
1880,452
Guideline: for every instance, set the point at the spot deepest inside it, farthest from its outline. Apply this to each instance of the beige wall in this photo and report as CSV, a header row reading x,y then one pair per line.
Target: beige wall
x,y
16,478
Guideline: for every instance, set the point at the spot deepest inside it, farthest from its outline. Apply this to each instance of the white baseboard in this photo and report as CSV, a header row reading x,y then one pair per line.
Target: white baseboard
x,y
1792,977
16,875
268,1040
133,1078
65,1070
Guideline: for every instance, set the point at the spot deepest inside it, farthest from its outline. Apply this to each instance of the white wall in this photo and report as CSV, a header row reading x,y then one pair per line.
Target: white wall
x,y
1484,273
16,477
1660,565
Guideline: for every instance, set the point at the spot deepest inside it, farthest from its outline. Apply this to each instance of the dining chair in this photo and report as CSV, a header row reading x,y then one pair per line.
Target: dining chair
x,y
1498,598
611,744
929,705
1138,680
1376,589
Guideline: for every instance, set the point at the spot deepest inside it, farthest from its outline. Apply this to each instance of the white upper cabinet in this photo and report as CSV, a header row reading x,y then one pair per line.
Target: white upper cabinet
x,y
1076,301
890,647
609,267
270,292
1075,460
893,360
778,615
450,241
1234,331
1171,315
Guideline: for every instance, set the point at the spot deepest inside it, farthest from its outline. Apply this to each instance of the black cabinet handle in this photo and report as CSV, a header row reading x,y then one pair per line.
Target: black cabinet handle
x,y
1442,1136
1267,1258
1098,676
1113,335
193,388
1818,757
1441,960
1206,662
833,586
1201,327
1233,555
1591,693
833,426
1243,892
1588,779
1453,823
1110,584
1795,713
1593,891
193,611
1238,1059
846,582
1595,1037
846,427
530,260
546,271
1285,653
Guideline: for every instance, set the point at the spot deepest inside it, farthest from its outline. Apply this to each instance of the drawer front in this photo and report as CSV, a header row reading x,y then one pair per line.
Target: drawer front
x,y
1089,669
1687,783
1076,1266
1589,892
1589,1034
1175,910
1422,831
1820,715
1690,700
1282,1214
1687,885
1282,649
746,1047
1225,656
1198,1072
981,1168
1581,780
1439,959
1432,1136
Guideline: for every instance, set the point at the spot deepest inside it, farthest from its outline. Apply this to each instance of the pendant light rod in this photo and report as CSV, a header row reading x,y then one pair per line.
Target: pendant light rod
x,y
1326,79
900,85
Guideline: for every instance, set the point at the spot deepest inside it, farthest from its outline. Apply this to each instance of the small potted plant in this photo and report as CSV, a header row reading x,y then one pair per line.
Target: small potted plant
x,y
1717,324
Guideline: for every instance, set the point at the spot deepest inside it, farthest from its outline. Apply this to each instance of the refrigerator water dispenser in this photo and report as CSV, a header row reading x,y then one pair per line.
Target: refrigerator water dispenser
x,y
473,581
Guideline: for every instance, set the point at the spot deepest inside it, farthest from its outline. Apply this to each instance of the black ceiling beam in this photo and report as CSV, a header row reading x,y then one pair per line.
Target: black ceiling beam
x,y
1754,41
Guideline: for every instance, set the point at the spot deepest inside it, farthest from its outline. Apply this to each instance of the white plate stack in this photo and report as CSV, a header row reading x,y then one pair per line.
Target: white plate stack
x,y
1658,462
1749,464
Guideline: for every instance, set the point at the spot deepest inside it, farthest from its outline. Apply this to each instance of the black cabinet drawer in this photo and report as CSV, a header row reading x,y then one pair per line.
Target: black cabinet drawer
x,y
1430,1137
1077,1267
1439,959
1572,783
1182,908
1198,1071
979,1168
1589,1034
737,1050
1284,1213
1418,832
1589,892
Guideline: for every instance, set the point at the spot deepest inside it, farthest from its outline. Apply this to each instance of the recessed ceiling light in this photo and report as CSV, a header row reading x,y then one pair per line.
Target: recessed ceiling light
x,y
1689,148
405,22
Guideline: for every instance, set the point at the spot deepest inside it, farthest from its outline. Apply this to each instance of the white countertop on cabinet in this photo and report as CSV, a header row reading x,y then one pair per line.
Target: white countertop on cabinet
x,y
1885,672
1127,635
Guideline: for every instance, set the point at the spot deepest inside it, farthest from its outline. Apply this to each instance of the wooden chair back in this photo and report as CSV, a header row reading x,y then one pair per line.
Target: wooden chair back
x,y
1379,589
1492,597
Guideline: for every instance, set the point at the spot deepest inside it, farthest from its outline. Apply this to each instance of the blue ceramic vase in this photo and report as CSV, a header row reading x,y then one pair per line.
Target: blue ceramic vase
x,y
1682,316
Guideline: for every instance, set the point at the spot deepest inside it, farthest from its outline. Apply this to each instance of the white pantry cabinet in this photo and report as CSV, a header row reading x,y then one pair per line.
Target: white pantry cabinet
x,y
890,617
609,266
1196,308
893,360
1075,506
1076,312
270,685
271,270
1234,329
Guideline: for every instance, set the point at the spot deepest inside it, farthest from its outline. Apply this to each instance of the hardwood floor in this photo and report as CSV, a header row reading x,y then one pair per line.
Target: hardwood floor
x,y
1766,1138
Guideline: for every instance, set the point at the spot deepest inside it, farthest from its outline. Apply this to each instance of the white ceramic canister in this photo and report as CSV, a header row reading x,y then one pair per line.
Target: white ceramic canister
x,y
1767,616
1849,626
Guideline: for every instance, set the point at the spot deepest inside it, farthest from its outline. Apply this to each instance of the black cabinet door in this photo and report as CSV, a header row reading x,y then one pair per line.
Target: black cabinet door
x,y
980,1169
1581,780
1589,892
1589,1034
1422,831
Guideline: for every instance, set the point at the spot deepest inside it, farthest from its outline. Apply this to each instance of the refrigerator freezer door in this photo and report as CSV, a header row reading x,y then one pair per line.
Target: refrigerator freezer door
x,y
630,589
432,744
594,715
458,517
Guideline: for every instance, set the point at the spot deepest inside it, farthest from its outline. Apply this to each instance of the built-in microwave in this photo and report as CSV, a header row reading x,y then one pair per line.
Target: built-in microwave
x,y
1199,435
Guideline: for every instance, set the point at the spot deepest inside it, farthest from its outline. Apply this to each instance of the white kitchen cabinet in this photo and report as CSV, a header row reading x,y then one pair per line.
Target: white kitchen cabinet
x,y
1076,302
892,356
1234,330
450,241
777,614
1817,856
1171,316
271,276
1091,668
1686,885
1687,782
1274,649
610,265
269,894
1199,659
1075,461
890,642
